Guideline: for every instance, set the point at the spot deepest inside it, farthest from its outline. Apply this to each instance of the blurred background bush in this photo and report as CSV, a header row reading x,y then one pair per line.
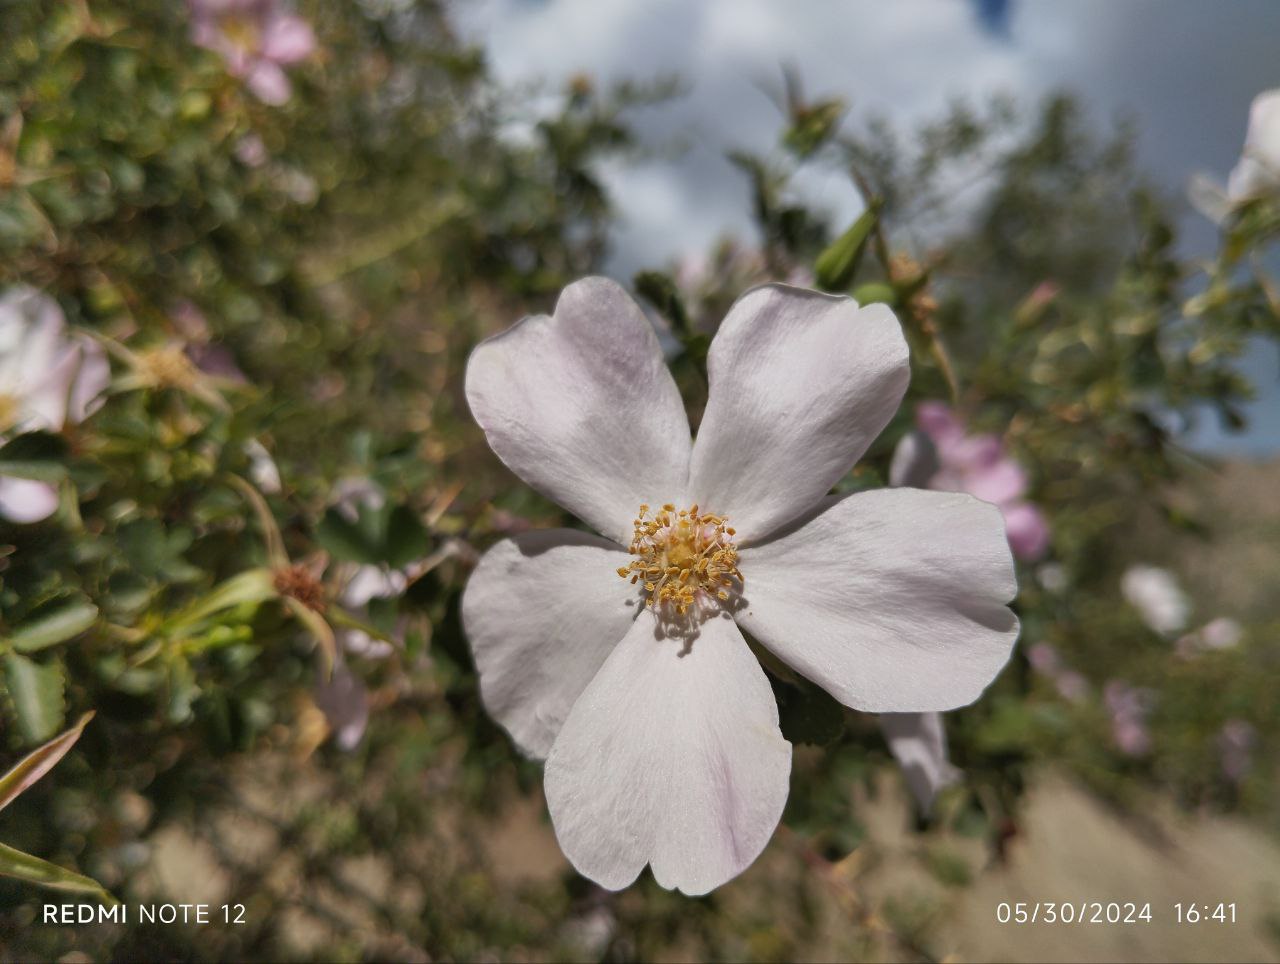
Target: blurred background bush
x,y
266,239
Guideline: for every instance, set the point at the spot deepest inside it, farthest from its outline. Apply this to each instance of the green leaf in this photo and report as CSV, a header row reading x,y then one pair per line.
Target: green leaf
x,y
812,126
53,623
250,586
874,292
35,693
806,713
157,552
39,762
407,537
347,540
660,291
320,629
14,863
836,266
35,455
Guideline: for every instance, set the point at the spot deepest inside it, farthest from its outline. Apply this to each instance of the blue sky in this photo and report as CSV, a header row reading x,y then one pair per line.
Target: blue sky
x,y
1184,69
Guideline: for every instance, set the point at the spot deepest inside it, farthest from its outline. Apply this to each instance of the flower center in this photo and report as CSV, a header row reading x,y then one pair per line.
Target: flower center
x,y
683,558
169,366
242,32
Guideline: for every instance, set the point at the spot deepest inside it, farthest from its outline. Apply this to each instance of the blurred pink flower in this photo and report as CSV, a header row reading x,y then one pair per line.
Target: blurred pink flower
x,y
1044,659
251,151
1129,707
47,379
1221,633
1071,686
942,456
211,358
1236,740
256,39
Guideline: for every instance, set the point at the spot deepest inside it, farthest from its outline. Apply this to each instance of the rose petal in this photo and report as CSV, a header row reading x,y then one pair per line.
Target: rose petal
x,y
1027,529
997,482
892,600
915,461
287,38
671,757
1250,178
31,331
582,407
373,582
345,703
1258,171
92,379
918,741
542,612
25,500
44,402
1263,137
939,422
800,384
268,82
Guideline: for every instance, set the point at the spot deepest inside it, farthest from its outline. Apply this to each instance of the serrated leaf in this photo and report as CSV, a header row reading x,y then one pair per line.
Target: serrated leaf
x,y
39,762
35,693
53,623
23,866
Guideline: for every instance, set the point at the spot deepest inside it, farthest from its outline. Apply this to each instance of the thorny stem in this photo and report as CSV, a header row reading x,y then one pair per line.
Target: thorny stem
x,y
880,245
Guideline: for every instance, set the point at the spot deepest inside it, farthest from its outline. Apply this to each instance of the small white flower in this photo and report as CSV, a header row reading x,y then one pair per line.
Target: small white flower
x,y
1155,593
1052,576
657,723
47,379
1258,171
344,701
262,468
367,583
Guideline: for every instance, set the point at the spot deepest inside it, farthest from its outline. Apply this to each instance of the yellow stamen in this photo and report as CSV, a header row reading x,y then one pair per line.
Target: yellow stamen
x,y
683,557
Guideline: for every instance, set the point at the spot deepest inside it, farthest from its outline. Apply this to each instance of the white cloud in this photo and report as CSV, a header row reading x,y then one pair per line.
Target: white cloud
x,y
1186,69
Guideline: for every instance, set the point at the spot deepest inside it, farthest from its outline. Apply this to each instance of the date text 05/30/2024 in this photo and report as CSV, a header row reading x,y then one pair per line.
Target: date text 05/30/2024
x,y
142,914
1110,912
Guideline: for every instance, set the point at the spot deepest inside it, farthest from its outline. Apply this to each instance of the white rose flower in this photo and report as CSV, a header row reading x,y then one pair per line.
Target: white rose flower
x,y
1255,175
1155,593
1258,171
47,379
620,659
